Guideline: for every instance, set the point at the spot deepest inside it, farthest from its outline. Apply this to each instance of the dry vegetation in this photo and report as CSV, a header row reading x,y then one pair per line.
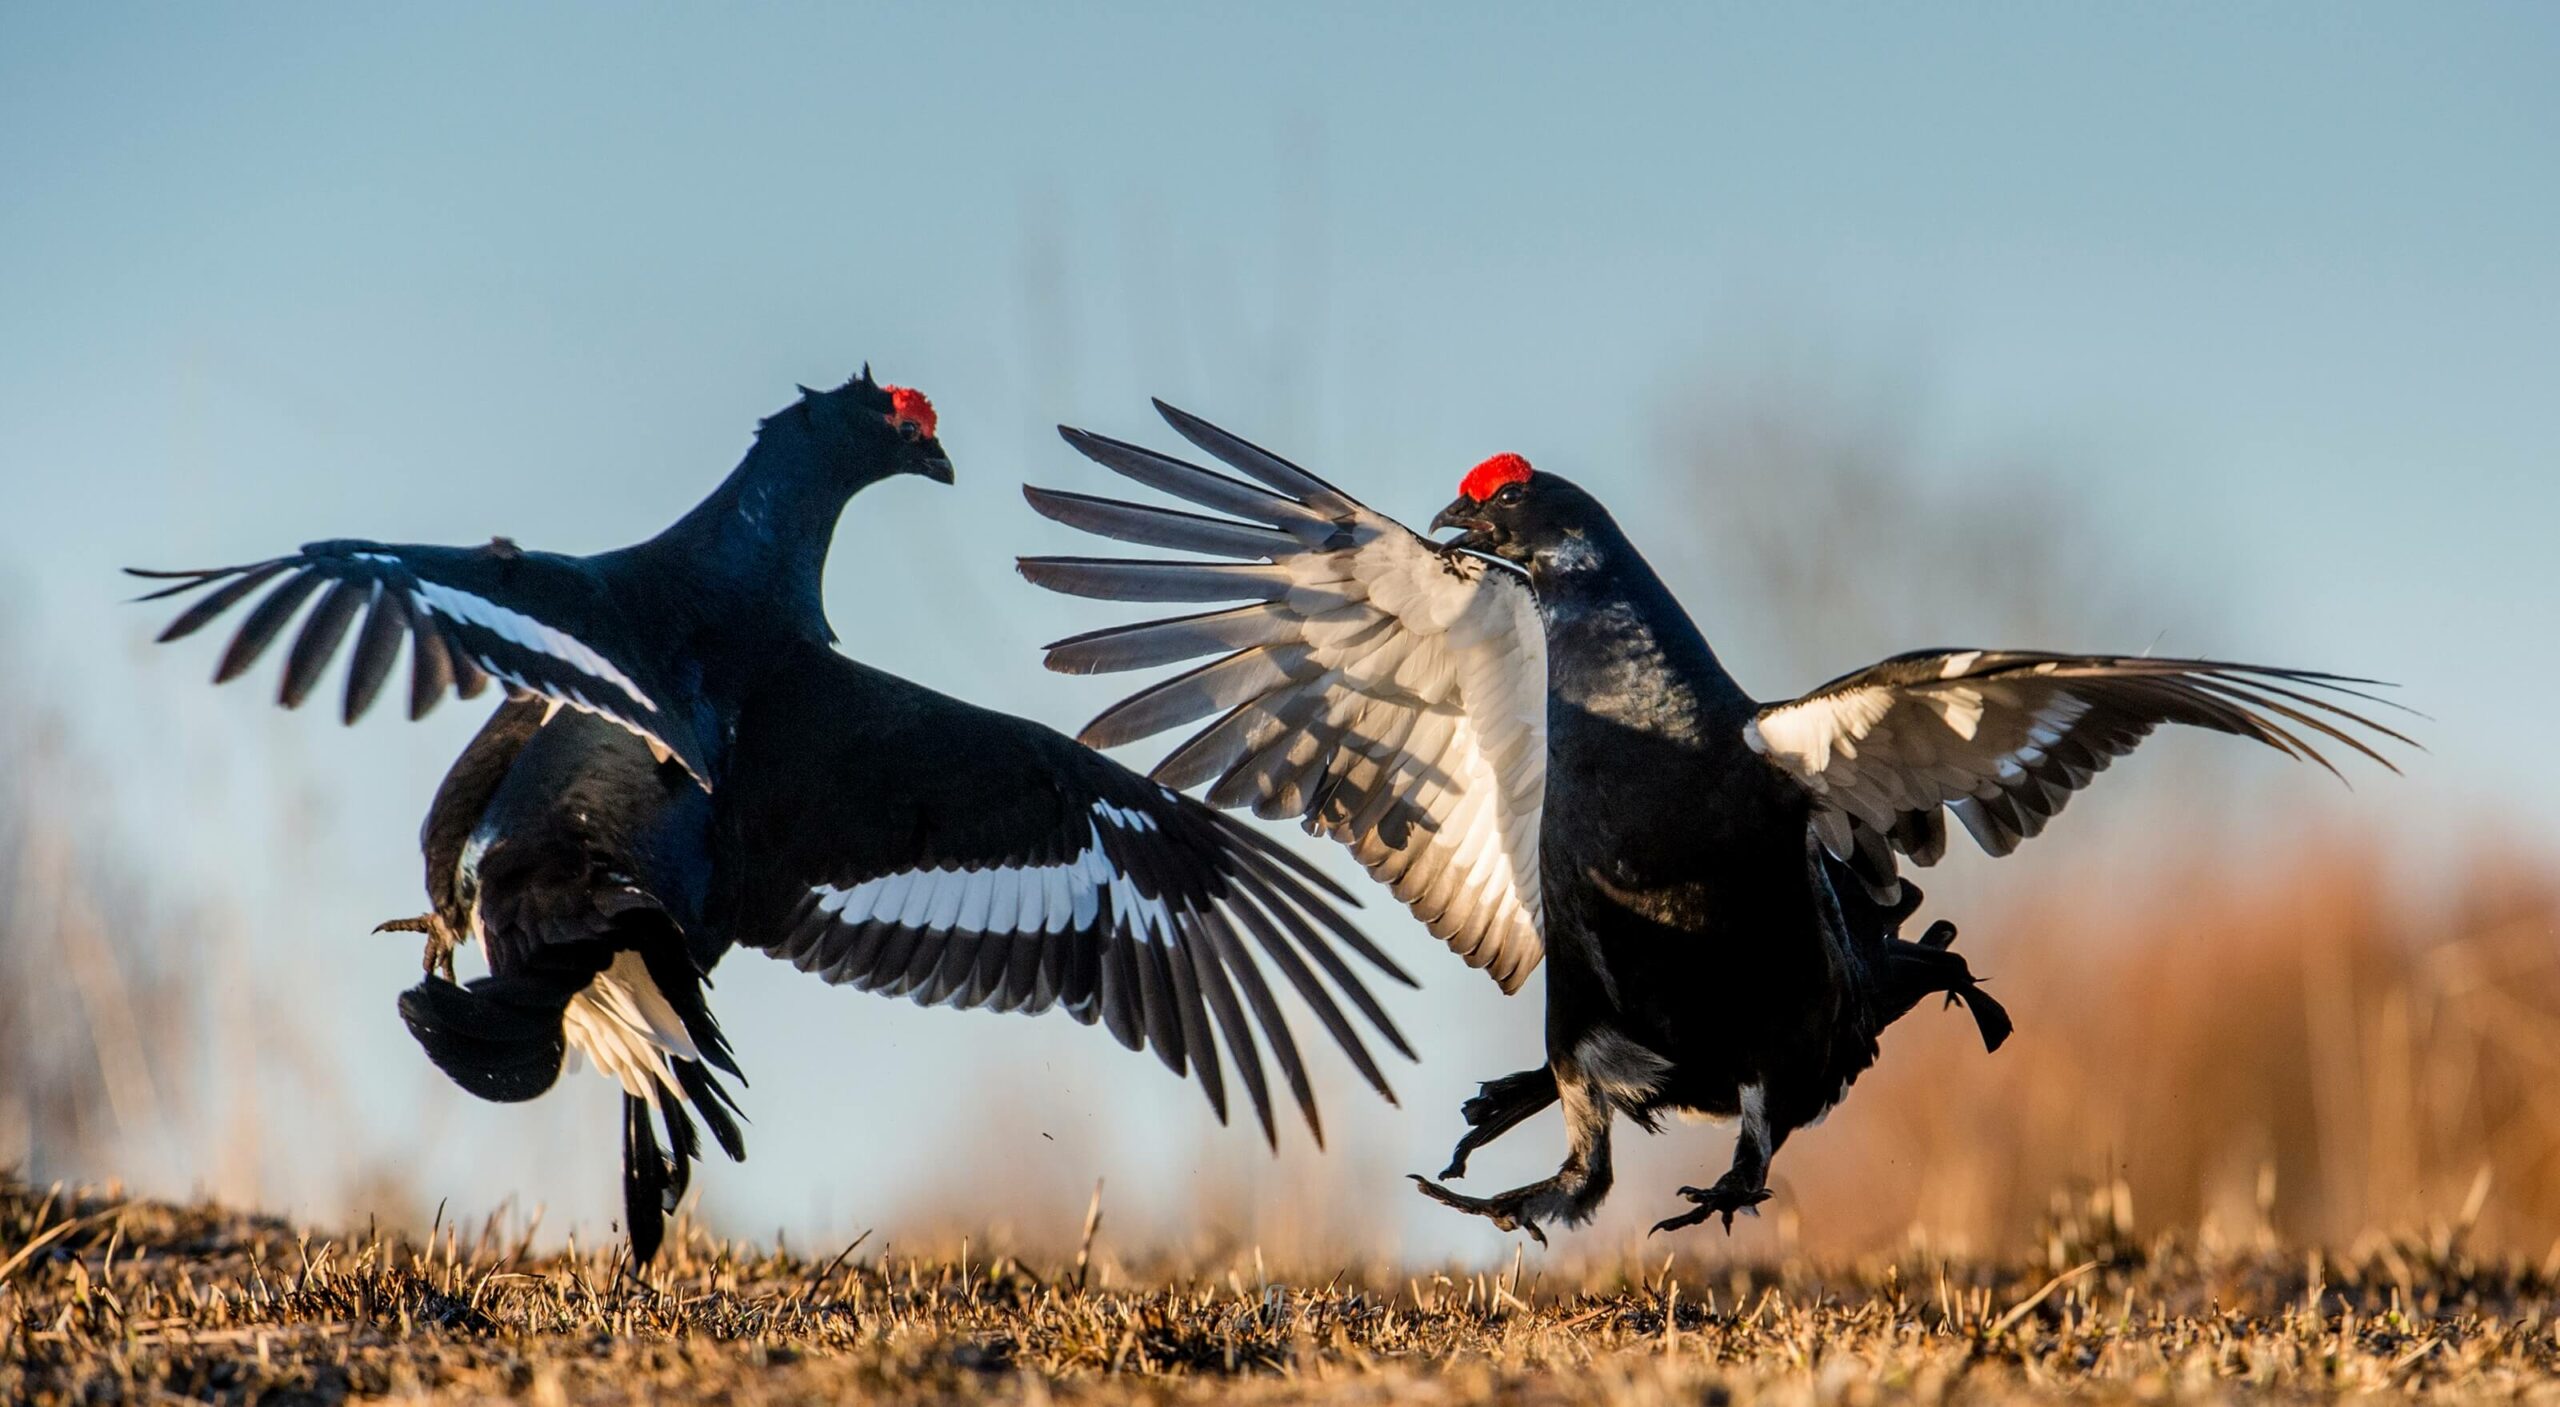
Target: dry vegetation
x,y
2301,1049
2301,1055
95,997
103,1300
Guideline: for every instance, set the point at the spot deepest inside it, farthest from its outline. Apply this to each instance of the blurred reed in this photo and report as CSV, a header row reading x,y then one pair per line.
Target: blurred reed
x,y
96,1008
2293,1047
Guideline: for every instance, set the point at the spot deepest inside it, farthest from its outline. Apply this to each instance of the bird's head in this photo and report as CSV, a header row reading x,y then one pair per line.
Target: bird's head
x,y
875,431
1543,522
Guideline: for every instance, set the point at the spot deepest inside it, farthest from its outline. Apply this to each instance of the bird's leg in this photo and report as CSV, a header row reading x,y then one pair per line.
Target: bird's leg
x,y
1574,1193
1745,1185
440,941
1499,1107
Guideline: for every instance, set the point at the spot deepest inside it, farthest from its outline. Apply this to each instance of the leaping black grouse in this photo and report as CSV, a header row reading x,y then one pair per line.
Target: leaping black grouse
x,y
1525,737
684,763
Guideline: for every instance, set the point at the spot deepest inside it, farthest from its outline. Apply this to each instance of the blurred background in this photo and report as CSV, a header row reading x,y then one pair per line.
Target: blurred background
x,y
2202,332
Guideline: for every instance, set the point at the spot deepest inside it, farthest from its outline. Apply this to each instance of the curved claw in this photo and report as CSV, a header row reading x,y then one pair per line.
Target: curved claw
x,y
1685,1219
440,941
1718,1200
1504,1211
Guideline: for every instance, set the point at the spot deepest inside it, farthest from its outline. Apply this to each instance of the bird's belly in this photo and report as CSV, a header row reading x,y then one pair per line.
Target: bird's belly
x,y
1721,971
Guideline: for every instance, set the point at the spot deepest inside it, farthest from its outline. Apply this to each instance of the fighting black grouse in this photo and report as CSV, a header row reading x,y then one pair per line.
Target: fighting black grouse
x,y
685,763
1523,735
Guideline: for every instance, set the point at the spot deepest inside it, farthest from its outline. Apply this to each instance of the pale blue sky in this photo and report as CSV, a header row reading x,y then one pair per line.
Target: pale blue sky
x,y
2273,286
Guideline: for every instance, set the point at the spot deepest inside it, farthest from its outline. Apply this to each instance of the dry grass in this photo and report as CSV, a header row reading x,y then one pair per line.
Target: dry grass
x,y
105,1300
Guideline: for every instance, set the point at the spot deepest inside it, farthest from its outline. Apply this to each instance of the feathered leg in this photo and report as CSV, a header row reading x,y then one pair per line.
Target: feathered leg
x,y
1745,1185
1576,1190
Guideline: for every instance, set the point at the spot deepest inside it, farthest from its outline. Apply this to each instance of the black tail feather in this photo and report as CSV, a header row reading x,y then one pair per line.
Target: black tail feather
x,y
1989,1016
681,982
647,1177
684,1144
1933,965
712,1101
654,1182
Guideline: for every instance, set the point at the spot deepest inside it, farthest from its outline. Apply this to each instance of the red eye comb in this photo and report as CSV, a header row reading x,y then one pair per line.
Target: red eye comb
x,y
907,403
1484,479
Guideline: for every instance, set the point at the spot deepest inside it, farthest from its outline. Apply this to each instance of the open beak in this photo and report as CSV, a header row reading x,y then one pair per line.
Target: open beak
x,y
1474,533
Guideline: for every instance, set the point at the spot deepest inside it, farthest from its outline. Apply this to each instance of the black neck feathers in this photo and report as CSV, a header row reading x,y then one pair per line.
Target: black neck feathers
x,y
1618,643
759,543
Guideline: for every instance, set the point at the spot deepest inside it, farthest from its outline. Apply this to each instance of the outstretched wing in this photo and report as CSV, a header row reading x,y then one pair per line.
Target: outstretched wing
x,y
539,622
1380,689
909,844
2003,738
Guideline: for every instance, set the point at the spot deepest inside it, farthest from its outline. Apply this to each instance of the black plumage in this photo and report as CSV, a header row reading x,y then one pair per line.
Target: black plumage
x,y
1524,735
582,872
684,763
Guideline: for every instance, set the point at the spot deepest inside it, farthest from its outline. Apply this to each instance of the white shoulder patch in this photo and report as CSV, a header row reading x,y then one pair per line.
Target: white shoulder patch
x,y
1804,736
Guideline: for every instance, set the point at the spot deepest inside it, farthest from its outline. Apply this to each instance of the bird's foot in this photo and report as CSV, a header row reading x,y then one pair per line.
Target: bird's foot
x,y
438,958
1498,1107
1729,1195
1514,1210
1491,1100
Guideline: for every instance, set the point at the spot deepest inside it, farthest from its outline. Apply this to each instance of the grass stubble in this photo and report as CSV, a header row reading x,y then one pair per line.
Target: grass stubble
x,y
106,1299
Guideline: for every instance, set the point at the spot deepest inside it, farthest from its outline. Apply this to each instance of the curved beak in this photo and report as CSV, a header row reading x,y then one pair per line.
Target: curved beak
x,y
937,465
1474,533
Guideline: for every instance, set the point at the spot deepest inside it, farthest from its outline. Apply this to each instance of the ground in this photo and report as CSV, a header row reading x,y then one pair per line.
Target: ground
x,y
110,1300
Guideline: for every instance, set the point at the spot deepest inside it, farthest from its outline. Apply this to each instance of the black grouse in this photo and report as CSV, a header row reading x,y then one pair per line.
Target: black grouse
x,y
684,763
1525,737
